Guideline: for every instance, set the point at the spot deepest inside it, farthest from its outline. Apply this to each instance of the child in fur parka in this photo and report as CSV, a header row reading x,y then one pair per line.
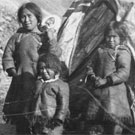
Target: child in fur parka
x,y
52,97
108,74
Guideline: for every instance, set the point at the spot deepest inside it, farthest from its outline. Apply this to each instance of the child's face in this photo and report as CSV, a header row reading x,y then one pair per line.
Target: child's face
x,y
50,22
45,72
29,20
112,39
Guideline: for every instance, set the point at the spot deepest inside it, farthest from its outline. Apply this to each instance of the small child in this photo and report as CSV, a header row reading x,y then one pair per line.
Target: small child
x,y
52,97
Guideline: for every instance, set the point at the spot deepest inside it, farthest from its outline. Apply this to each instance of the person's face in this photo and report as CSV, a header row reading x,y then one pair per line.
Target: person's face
x,y
50,22
45,72
29,20
112,39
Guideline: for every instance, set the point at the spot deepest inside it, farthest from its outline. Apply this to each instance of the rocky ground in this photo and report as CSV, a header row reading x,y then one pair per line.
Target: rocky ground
x,y
8,25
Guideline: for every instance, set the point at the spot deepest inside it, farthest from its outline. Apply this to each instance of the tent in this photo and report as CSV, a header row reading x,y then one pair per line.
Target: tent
x,y
81,34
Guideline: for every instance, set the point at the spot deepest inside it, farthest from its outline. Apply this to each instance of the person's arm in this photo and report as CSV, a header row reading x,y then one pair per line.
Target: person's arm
x,y
92,68
8,61
11,72
39,85
123,64
62,104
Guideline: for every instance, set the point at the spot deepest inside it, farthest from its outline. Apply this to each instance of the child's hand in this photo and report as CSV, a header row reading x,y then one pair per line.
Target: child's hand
x,y
89,70
56,123
100,82
90,74
11,72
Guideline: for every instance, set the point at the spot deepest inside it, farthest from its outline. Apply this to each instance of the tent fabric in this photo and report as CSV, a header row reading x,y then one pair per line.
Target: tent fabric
x,y
90,24
69,36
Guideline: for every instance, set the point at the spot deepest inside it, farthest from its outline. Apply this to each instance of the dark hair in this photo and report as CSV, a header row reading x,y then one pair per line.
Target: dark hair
x,y
32,7
51,62
119,28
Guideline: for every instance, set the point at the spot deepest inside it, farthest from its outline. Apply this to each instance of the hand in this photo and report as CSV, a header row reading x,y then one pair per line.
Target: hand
x,y
56,123
100,82
11,72
90,73
89,70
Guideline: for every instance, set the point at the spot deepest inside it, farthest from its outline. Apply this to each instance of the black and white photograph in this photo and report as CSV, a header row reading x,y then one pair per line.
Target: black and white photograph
x,y
67,67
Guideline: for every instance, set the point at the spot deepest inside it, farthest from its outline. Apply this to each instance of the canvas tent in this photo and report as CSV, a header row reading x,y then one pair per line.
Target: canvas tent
x,y
86,21
81,34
